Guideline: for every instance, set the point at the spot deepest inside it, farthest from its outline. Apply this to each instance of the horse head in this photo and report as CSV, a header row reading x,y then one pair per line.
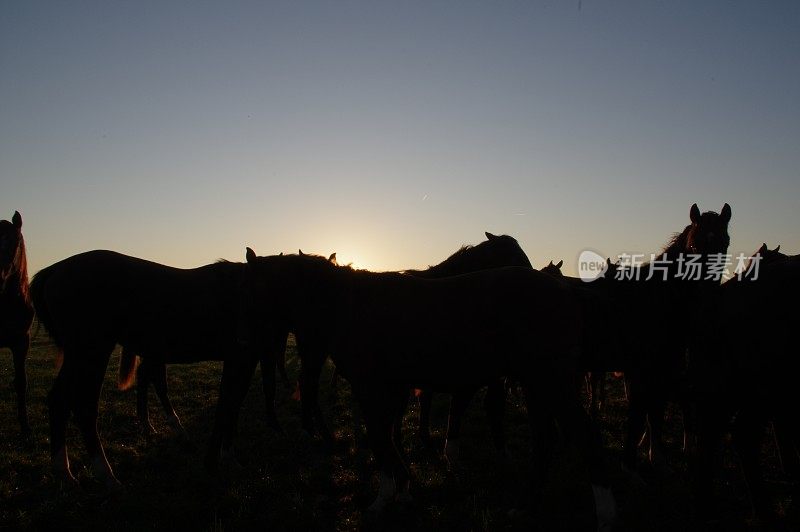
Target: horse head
x,y
708,232
554,269
12,248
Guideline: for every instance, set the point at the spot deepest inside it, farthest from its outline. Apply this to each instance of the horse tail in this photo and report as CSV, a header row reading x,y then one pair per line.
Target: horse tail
x,y
38,293
127,369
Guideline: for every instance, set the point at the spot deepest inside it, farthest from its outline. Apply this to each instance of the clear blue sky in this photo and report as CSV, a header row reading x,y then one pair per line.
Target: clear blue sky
x,y
394,132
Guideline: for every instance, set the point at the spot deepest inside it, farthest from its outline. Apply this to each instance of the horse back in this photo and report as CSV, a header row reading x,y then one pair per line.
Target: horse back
x,y
461,328
102,297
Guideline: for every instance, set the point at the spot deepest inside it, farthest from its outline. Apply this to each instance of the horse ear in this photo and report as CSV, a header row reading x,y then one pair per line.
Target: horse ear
x,y
332,258
777,249
489,235
763,249
560,264
17,220
726,213
694,213
250,255
300,252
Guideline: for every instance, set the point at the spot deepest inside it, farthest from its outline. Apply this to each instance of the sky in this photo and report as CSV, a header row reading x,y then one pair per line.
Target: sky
x,y
394,132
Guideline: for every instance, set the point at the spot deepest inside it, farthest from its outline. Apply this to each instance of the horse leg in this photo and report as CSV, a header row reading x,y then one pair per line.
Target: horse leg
x,y
786,440
598,392
59,402
495,404
587,386
748,431
88,384
701,463
380,409
655,423
280,365
237,372
143,373
397,426
543,434
787,434
458,406
425,399
637,418
270,359
159,374
20,353
312,417
579,430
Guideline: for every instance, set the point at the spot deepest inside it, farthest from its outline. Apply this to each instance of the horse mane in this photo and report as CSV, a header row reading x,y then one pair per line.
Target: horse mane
x,y
450,261
677,243
22,272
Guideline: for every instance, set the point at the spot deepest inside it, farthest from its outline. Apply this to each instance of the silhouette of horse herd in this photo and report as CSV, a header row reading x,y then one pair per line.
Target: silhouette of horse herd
x,y
722,350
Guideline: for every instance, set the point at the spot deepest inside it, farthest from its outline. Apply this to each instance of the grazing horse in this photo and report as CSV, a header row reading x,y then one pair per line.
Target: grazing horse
x,y
656,312
496,251
744,369
390,332
16,311
93,301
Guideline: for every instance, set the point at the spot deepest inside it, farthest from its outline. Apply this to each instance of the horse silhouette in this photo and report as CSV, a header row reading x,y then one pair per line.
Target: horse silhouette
x,y
390,332
655,311
16,311
93,301
743,368
496,251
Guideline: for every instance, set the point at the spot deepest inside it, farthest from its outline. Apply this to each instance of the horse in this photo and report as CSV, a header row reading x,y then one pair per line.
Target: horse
x,y
496,251
389,332
742,369
91,302
16,311
655,306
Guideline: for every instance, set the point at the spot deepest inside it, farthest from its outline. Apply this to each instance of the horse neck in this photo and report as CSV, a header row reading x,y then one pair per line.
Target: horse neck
x,y
17,283
674,250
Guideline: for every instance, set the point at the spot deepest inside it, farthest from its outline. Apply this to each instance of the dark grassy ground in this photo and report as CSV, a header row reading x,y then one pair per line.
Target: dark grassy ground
x,y
290,481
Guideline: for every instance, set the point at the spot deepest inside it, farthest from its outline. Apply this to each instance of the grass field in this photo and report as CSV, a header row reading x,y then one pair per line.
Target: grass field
x,y
290,481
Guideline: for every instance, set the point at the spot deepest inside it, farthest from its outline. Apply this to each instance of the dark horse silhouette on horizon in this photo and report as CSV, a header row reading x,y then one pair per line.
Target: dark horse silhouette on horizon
x,y
390,332
93,301
16,311
656,311
744,369
495,252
